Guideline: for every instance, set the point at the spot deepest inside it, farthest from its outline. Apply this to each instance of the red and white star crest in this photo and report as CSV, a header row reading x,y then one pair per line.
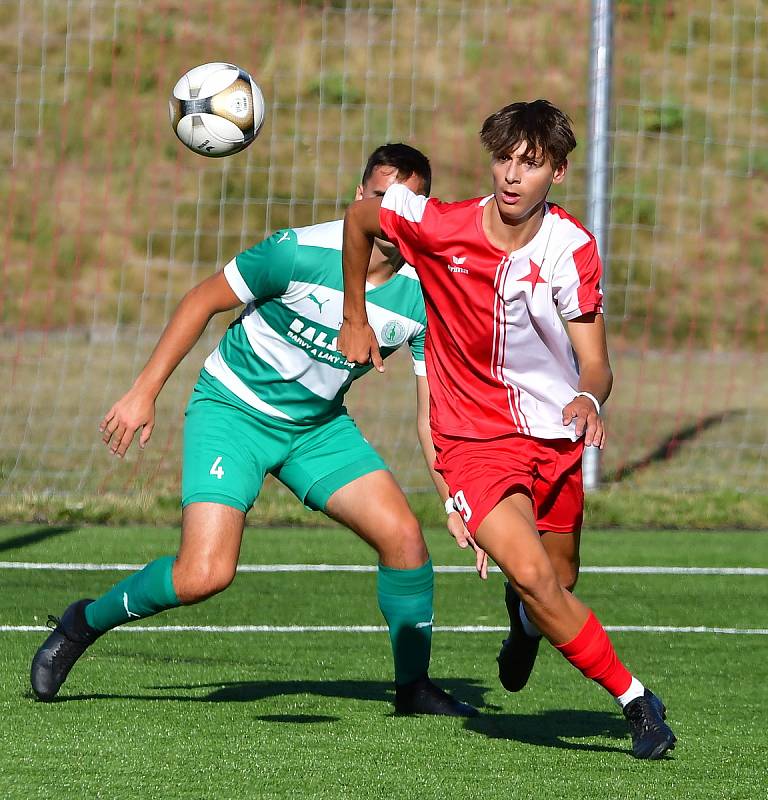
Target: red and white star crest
x,y
534,276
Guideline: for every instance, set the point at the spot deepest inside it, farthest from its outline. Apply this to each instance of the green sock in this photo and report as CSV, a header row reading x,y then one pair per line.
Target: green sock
x,y
405,600
139,595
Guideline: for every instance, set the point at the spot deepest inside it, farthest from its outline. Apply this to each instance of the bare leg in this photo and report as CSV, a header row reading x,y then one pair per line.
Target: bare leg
x,y
509,535
519,650
206,564
375,508
563,552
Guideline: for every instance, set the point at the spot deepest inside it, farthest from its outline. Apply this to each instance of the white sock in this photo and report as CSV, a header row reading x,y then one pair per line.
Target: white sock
x,y
636,689
529,628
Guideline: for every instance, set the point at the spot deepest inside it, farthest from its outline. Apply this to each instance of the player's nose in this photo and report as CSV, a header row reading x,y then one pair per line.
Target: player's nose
x,y
512,174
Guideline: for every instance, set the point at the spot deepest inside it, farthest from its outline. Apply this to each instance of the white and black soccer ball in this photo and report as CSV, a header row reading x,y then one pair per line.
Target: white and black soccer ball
x,y
216,109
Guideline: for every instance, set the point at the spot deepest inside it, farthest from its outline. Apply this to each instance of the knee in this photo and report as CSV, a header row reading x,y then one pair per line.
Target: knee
x,y
402,540
409,532
535,581
200,580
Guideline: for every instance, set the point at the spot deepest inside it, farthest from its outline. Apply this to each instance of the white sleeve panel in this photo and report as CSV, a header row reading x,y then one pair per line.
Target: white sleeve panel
x,y
400,199
236,282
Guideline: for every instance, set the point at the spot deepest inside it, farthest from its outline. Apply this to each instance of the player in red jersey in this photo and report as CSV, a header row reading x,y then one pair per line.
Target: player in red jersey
x,y
518,368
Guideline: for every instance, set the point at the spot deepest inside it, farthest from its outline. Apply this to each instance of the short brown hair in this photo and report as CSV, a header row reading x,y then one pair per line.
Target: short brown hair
x,y
545,129
408,161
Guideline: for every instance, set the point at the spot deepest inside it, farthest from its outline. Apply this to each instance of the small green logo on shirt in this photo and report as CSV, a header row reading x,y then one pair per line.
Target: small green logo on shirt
x,y
393,333
318,303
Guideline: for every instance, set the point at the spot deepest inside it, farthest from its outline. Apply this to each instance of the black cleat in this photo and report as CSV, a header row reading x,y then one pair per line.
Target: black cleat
x,y
518,652
70,638
651,736
424,697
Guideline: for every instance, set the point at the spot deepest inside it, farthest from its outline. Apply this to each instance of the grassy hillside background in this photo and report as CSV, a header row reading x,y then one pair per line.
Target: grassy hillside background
x,y
109,219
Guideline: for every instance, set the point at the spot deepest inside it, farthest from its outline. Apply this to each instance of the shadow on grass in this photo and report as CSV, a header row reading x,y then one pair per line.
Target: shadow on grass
x,y
466,690
550,728
34,537
253,691
554,728
669,447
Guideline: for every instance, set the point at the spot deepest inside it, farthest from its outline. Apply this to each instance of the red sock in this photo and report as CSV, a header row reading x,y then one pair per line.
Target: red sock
x,y
592,652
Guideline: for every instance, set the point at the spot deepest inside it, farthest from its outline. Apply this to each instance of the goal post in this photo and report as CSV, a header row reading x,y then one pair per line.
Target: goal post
x,y
599,163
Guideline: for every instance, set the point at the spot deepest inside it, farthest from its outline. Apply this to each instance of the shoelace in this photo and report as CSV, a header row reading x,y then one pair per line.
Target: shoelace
x,y
53,622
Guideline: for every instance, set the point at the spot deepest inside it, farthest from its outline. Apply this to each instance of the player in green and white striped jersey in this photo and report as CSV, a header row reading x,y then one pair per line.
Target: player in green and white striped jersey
x,y
270,400
280,356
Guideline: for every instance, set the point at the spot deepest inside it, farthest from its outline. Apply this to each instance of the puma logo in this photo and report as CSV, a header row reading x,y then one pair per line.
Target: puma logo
x,y
128,610
318,303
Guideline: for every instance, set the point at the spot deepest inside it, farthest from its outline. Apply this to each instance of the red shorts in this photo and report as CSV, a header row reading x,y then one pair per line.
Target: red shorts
x,y
480,473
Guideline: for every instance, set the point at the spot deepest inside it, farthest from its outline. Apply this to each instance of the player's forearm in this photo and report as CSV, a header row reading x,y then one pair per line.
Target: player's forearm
x,y
587,335
424,432
597,379
187,324
428,450
360,226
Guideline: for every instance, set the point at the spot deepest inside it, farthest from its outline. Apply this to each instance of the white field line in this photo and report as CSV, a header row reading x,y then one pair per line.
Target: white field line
x,y
383,629
639,570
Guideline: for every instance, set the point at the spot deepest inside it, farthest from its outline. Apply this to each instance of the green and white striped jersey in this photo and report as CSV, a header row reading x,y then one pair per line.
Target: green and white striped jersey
x,y
280,356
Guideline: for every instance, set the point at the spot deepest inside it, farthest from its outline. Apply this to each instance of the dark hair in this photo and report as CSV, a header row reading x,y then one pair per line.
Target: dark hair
x,y
408,161
544,128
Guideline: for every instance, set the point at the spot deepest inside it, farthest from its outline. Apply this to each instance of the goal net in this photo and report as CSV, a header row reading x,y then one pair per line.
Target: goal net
x,y
110,219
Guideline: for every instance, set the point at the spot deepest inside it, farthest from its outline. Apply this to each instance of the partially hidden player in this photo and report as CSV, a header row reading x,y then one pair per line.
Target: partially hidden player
x,y
269,399
518,369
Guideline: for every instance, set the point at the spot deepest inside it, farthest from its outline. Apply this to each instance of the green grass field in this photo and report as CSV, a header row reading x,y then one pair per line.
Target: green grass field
x,y
193,714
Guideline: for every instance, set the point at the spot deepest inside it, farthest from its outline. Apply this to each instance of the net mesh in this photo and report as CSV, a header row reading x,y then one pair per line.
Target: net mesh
x,y
110,219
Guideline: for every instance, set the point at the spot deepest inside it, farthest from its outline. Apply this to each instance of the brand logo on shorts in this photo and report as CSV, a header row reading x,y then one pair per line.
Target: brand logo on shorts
x,y
393,333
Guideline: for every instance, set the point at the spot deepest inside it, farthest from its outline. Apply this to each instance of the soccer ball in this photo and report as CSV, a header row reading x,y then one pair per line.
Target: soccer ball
x,y
216,109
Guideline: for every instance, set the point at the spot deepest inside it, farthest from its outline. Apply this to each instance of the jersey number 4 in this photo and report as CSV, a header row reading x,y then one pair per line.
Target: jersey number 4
x,y
217,469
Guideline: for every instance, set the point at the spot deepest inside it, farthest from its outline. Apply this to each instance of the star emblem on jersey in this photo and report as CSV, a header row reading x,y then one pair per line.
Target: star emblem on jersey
x,y
392,333
534,276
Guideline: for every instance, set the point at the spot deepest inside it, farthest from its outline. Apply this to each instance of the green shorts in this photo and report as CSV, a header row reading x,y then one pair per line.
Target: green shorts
x,y
229,449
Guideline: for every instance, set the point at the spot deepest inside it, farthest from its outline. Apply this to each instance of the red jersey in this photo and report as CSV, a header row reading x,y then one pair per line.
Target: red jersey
x,y
498,357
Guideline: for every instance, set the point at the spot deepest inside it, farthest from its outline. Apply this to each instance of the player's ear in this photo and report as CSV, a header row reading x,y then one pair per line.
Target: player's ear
x,y
559,174
359,192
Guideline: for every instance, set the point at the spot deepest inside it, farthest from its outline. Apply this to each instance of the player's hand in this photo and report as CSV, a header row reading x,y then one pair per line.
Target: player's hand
x,y
464,539
357,343
582,412
134,410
